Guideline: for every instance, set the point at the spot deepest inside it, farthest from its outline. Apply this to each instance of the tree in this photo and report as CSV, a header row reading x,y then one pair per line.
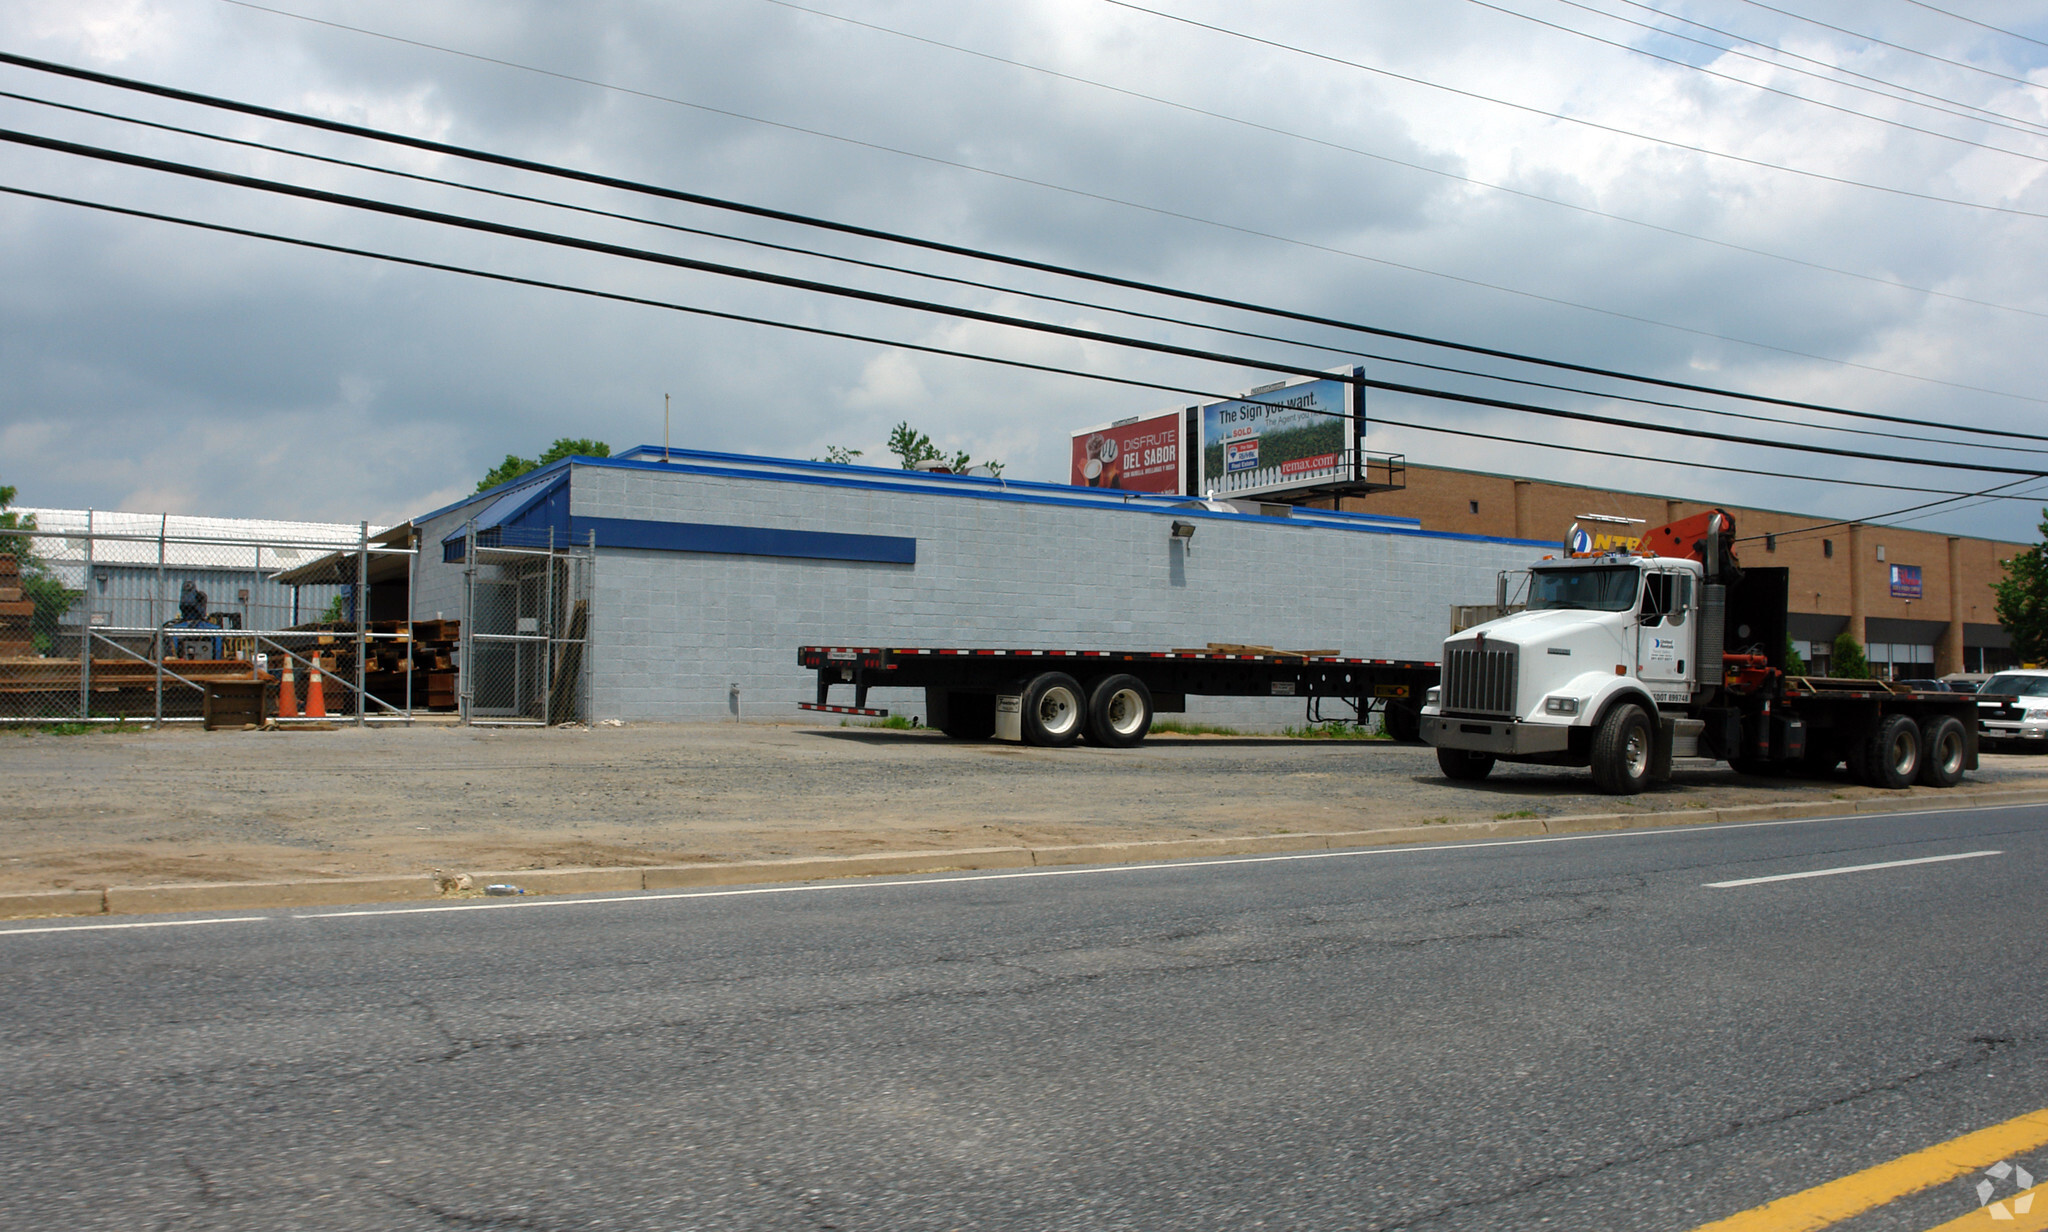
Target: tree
x,y
914,447
838,455
2021,599
52,598
1795,663
514,466
1848,662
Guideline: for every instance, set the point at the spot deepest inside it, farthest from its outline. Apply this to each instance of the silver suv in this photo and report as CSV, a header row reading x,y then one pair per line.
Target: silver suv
x,y
2012,709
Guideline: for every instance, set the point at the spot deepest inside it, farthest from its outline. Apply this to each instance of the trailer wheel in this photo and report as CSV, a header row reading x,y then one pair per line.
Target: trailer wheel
x,y
1891,754
1119,711
1621,751
1053,711
1402,722
1946,748
1464,765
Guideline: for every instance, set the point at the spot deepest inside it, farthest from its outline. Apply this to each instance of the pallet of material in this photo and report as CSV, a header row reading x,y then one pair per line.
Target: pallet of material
x,y
42,675
1243,648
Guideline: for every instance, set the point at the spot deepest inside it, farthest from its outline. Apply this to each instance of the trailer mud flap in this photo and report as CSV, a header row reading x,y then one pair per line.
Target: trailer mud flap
x,y
1009,717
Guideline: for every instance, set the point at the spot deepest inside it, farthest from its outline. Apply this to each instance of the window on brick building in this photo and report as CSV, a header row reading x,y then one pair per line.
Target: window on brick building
x,y
1770,543
1827,547
1474,504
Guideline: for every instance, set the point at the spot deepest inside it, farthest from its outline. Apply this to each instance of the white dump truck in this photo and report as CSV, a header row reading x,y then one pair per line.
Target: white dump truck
x,y
1623,660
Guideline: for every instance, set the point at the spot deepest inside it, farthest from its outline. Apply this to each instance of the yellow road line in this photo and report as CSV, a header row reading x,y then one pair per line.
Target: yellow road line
x,y
1982,1220
1888,1182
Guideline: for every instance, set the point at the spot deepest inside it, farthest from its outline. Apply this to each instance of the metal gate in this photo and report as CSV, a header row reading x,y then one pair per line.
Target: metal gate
x,y
525,631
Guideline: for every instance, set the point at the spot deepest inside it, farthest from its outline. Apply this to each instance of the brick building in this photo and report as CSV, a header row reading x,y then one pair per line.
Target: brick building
x,y
1842,576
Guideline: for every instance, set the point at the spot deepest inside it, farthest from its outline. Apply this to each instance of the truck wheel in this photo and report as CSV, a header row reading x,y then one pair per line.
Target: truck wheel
x,y
1464,765
1621,751
1119,711
1053,714
1402,722
1947,747
1891,754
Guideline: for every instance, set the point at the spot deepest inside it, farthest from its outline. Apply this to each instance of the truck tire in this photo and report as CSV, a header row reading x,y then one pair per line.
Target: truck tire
x,y
1891,754
1621,751
1402,722
1943,753
1054,712
969,716
1119,711
1464,765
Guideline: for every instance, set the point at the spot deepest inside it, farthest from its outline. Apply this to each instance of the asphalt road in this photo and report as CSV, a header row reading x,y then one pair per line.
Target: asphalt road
x,y
1574,1033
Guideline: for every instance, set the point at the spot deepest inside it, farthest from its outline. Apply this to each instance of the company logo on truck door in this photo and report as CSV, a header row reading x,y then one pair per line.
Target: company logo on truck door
x,y
1663,650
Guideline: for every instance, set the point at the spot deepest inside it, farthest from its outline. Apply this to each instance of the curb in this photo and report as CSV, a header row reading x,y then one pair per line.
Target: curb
x,y
250,895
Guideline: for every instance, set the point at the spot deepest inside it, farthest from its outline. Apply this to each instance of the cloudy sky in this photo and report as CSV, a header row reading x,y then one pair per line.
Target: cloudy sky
x,y
1455,169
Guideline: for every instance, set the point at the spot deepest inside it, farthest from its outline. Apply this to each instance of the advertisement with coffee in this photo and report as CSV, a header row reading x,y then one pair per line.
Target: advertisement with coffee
x,y
1287,435
1137,455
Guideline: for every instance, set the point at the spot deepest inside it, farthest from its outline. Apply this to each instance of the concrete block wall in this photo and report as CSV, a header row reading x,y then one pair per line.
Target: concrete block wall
x,y
674,632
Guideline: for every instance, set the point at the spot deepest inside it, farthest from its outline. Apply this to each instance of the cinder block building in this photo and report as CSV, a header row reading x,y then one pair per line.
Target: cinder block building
x,y
707,571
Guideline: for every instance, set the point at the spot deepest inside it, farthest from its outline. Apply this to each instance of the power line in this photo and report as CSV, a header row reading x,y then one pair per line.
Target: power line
x,y
979,357
1250,231
1715,73
813,286
1555,115
955,280
1190,109
787,216
1911,51
1804,59
2013,34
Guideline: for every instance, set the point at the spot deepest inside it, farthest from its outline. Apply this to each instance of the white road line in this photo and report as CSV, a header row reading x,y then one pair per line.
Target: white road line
x,y
1109,869
86,928
1851,868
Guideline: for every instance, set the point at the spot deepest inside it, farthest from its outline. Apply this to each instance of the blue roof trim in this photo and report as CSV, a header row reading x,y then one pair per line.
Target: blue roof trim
x,y
745,540
821,474
531,504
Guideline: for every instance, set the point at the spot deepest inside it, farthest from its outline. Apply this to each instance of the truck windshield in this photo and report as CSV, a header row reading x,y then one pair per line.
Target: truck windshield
x,y
1598,590
2017,686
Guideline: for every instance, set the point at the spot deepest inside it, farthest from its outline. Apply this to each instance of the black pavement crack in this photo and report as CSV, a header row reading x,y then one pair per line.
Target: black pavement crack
x,y
449,1217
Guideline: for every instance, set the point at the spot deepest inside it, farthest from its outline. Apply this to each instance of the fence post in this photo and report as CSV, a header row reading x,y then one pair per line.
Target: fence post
x,y
547,641
362,620
465,672
156,616
85,632
412,590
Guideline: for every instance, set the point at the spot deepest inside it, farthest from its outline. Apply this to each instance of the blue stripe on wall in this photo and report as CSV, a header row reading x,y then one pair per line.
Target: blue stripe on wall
x,y
743,540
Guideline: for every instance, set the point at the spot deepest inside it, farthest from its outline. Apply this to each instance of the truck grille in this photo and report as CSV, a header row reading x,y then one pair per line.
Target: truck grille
x,y
1479,681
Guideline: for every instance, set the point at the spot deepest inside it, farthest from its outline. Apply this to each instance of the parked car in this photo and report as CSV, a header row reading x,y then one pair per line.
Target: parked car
x,y
1925,686
2012,710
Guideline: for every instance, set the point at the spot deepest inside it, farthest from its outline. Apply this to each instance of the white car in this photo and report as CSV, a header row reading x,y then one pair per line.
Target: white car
x,y
2012,709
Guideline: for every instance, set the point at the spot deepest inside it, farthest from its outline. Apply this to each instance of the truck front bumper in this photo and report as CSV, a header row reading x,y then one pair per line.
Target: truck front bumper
x,y
1500,737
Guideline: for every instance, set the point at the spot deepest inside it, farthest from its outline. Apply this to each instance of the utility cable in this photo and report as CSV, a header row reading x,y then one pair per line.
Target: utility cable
x,y
1992,493
1568,119
1717,74
2012,34
1491,186
1911,51
955,280
813,286
1803,59
673,194
979,357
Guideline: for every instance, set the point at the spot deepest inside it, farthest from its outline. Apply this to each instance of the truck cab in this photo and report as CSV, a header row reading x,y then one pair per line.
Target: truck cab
x,y
1599,632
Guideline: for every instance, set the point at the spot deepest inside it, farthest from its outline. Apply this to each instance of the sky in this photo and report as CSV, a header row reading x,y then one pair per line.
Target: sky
x,y
1459,170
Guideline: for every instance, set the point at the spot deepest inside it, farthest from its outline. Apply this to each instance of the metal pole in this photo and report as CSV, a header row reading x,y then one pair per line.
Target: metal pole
x,y
156,614
362,619
583,660
85,633
547,640
465,670
412,590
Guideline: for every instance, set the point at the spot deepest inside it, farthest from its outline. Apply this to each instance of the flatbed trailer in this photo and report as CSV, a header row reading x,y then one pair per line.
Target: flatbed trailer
x,y
1054,697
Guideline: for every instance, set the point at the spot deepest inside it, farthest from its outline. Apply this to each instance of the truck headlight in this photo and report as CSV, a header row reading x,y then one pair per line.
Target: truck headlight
x,y
1560,705
1433,696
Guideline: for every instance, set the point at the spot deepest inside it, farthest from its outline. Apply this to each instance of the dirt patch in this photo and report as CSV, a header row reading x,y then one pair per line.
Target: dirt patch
x,y
182,805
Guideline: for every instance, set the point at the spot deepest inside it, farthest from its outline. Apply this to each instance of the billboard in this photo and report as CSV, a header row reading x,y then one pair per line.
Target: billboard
x,y
1135,455
1905,581
1292,434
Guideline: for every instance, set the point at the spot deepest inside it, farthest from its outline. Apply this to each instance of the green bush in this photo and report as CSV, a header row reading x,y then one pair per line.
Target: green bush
x,y
1849,663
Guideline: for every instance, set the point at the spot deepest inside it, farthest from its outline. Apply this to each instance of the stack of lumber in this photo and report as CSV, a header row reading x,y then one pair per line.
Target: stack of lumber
x,y
425,649
1245,648
16,610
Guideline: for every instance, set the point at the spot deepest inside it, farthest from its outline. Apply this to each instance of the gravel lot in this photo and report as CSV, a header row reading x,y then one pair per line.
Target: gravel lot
x,y
143,808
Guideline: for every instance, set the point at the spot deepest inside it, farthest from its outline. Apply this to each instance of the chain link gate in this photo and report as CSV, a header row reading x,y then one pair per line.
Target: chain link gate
x,y
526,630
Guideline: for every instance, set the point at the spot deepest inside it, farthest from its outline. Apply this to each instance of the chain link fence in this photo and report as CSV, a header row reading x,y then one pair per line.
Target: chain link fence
x,y
526,628
123,617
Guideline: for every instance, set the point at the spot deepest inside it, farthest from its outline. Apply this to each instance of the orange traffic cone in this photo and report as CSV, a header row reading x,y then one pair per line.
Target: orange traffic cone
x,y
316,697
287,693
